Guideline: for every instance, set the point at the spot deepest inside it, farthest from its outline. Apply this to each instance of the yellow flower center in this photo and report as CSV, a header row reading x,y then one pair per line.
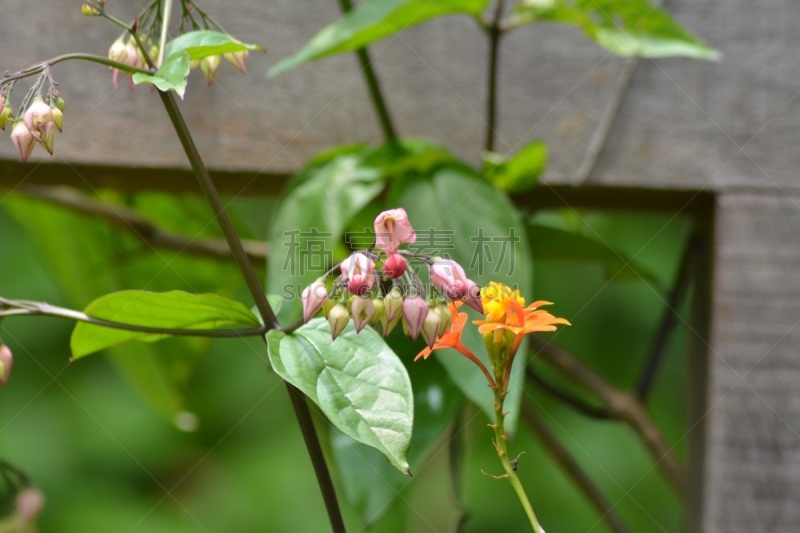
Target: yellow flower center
x,y
497,298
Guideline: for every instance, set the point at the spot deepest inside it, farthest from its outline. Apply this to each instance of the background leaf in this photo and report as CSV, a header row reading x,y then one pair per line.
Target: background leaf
x,y
357,381
624,27
174,309
518,172
371,22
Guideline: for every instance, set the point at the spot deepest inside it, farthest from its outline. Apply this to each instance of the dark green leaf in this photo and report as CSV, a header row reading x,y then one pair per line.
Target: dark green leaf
x,y
624,27
370,483
518,172
170,77
174,309
311,221
458,215
203,43
371,22
357,381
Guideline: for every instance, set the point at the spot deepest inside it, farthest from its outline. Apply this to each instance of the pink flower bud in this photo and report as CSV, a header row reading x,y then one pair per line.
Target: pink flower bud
x,y
394,266
39,119
473,296
237,60
392,229
363,310
118,51
430,327
6,361
449,277
30,503
359,273
338,317
393,303
414,312
22,140
314,296
209,66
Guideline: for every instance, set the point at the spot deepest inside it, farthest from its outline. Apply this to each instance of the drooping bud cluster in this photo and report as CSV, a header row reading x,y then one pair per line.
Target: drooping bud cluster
x,y
37,124
376,286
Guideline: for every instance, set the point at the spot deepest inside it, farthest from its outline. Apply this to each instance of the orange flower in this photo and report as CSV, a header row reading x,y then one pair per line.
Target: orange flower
x,y
505,311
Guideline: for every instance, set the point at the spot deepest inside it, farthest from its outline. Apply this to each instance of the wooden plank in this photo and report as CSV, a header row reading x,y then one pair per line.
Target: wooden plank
x,y
752,462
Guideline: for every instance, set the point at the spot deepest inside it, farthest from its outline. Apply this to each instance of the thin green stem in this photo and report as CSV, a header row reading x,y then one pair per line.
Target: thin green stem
x,y
38,68
373,85
299,402
500,443
28,308
162,43
495,33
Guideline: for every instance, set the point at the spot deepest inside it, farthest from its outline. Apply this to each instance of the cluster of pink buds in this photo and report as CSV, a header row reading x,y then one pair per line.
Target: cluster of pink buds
x,y
128,53
37,125
210,64
376,287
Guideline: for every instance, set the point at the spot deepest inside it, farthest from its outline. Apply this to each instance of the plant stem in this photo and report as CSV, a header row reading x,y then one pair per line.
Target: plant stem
x,y
28,308
373,84
162,43
299,402
41,66
500,443
495,33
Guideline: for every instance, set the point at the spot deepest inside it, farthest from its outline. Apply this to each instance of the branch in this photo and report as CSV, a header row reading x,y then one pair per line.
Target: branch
x,y
495,33
670,318
299,401
621,406
597,413
28,308
373,85
132,222
572,468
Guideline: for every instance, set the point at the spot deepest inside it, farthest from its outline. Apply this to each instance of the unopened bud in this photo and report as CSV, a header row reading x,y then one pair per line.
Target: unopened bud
x,y
30,503
58,117
394,266
338,317
363,310
430,326
394,303
6,361
6,116
89,10
209,66
60,103
444,318
414,312
237,60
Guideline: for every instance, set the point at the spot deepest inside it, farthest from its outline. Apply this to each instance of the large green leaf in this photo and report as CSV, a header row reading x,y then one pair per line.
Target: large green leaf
x,y
357,381
373,21
311,221
174,310
370,483
171,76
624,27
203,43
458,215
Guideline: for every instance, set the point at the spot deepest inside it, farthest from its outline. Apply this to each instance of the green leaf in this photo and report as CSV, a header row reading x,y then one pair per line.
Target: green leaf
x,y
203,43
370,483
357,381
624,27
174,309
458,215
170,77
371,22
518,172
311,220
